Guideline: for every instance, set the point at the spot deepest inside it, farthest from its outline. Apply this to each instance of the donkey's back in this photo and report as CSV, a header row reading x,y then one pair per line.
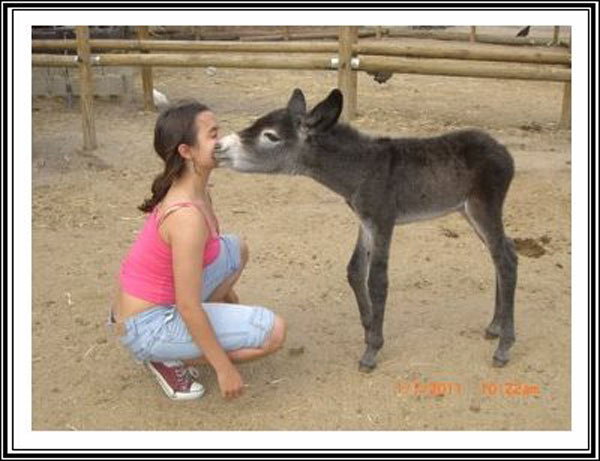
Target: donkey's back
x,y
434,176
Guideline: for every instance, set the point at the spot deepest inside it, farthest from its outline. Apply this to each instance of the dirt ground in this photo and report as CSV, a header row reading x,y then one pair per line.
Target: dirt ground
x,y
435,370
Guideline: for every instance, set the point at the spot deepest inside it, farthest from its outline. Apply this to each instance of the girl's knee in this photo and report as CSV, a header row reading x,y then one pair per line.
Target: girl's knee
x,y
277,337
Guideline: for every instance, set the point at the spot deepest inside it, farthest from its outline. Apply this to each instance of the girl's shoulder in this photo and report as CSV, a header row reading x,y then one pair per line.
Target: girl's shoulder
x,y
187,209
180,219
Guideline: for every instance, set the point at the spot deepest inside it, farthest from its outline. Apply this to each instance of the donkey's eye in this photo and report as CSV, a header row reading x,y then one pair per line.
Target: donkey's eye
x,y
271,136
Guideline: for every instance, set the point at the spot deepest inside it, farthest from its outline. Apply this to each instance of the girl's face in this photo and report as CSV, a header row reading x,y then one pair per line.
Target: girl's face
x,y
202,153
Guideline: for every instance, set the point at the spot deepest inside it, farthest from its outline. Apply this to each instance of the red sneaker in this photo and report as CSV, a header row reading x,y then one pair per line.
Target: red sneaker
x,y
175,380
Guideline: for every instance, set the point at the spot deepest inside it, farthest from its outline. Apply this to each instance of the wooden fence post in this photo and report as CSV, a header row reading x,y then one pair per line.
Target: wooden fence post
x,y
347,78
555,35
86,88
147,84
565,112
473,34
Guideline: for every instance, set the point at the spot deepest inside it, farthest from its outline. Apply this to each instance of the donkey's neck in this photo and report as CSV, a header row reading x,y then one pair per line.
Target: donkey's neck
x,y
339,159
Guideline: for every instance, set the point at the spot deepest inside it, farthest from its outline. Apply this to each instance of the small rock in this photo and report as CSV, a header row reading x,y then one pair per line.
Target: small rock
x,y
532,126
211,71
295,351
449,233
81,321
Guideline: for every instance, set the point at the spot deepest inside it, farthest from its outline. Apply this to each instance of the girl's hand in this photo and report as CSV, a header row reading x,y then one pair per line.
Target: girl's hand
x,y
230,382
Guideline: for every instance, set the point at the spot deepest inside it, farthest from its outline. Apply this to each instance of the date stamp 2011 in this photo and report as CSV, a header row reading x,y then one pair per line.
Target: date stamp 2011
x,y
487,388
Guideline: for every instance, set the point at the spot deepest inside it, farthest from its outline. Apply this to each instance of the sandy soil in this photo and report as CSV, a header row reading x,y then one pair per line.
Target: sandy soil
x,y
435,370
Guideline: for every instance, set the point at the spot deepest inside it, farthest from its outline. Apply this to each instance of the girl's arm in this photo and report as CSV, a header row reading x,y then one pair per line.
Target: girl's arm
x,y
187,233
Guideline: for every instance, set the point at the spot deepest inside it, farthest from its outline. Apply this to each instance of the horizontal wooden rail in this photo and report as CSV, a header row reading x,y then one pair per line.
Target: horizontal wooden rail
x,y
243,61
507,54
366,63
189,45
465,36
470,52
304,36
464,69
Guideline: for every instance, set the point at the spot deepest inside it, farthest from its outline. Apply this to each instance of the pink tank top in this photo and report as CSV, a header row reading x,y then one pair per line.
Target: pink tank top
x,y
147,270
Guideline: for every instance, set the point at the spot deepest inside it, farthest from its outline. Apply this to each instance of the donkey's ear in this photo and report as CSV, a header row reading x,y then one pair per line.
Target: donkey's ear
x,y
297,103
326,113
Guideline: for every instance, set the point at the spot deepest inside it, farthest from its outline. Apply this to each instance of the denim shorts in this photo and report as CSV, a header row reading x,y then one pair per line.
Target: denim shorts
x,y
160,334
226,264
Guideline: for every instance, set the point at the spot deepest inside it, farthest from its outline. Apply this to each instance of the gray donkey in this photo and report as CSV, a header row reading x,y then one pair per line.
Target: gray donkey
x,y
387,182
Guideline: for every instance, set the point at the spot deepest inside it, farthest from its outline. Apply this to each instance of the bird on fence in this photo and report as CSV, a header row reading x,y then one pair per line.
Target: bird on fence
x,y
160,100
523,32
381,76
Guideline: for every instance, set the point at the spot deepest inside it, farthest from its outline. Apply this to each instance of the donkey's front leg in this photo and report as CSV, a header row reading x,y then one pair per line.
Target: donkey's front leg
x,y
378,287
358,271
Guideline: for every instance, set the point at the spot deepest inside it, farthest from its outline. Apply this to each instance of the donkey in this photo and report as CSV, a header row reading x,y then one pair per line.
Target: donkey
x,y
386,182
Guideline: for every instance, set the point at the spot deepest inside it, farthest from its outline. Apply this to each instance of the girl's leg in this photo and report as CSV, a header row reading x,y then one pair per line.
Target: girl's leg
x,y
272,343
224,293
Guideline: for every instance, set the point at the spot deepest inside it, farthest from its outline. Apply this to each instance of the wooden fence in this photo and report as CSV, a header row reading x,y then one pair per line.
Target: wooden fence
x,y
347,56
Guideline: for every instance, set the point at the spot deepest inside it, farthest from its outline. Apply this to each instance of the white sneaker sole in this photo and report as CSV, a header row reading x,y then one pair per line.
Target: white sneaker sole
x,y
176,395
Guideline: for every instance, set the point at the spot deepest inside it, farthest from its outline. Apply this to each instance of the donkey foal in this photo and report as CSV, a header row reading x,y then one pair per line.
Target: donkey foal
x,y
387,182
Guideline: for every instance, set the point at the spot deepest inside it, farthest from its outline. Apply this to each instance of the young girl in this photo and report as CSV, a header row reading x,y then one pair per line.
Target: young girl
x,y
176,305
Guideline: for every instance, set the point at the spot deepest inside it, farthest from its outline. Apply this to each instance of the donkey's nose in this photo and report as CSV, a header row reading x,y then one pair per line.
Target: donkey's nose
x,y
226,143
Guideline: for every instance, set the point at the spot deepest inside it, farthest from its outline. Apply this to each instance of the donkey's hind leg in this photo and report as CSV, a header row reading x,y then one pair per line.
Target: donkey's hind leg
x,y
493,329
486,217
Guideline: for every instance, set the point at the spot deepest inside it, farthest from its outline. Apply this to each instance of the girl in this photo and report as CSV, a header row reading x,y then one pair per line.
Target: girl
x,y
176,306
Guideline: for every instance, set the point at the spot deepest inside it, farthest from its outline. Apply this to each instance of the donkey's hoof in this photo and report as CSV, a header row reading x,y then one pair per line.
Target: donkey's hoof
x,y
366,367
500,359
496,363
